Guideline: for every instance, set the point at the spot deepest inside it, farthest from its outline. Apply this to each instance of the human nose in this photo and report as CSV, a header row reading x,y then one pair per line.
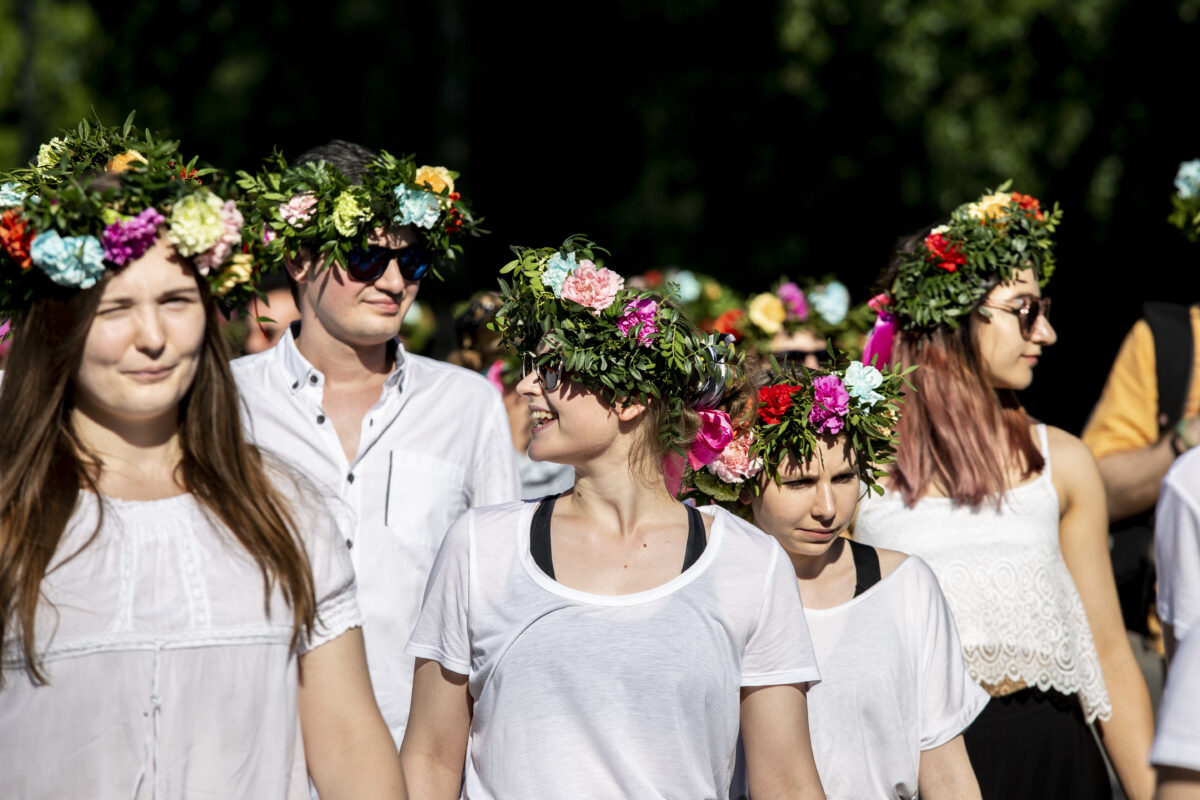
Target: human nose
x,y
151,336
392,280
529,386
824,508
1043,332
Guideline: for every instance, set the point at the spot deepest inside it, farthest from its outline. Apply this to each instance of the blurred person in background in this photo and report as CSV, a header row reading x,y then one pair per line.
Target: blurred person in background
x,y
266,322
405,443
481,350
1008,512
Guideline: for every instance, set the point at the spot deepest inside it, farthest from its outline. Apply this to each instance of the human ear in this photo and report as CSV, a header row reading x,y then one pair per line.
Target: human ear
x,y
628,412
298,268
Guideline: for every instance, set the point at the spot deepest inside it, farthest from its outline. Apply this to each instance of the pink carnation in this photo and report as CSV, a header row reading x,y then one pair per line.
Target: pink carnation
x,y
640,312
216,255
735,465
793,301
831,402
298,210
128,240
591,287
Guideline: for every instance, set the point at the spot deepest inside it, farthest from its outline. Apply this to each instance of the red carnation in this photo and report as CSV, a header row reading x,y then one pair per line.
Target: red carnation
x,y
728,321
1029,204
15,237
774,401
943,252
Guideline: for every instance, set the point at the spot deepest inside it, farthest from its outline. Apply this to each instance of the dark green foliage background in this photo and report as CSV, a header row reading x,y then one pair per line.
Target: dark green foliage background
x,y
741,139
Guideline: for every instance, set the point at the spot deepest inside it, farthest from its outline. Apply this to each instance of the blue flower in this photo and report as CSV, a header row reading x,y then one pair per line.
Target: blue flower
x,y
861,382
689,286
76,261
556,271
11,195
1187,180
417,207
831,301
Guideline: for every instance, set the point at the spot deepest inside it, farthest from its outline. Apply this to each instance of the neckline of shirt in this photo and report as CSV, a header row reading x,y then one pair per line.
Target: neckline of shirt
x,y
300,373
853,601
523,520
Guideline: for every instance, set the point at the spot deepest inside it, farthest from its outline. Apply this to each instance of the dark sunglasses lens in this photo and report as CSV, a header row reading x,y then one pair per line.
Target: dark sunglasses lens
x,y
414,262
1029,315
367,265
549,378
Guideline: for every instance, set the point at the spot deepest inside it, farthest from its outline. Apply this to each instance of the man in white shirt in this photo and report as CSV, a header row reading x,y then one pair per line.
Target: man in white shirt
x,y
405,443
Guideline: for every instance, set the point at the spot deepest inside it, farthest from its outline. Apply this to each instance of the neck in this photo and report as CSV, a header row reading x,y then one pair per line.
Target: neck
x,y
340,361
141,451
606,491
810,568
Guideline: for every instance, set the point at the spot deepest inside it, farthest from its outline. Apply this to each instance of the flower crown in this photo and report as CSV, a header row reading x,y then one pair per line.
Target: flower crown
x,y
622,343
952,269
315,205
822,306
62,218
795,407
1185,203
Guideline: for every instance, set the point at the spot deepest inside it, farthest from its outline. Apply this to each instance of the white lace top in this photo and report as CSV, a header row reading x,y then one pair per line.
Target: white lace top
x,y
1018,613
167,678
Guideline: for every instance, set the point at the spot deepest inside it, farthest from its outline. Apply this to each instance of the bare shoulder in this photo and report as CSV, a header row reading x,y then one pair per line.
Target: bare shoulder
x,y
889,560
1067,447
1073,467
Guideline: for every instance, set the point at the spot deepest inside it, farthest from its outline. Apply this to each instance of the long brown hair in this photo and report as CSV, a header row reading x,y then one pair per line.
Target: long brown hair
x,y
956,431
44,465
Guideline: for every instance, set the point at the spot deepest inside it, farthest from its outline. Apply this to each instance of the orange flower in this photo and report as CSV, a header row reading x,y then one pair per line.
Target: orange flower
x,y
16,237
1029,204
727,323
438,178
121,162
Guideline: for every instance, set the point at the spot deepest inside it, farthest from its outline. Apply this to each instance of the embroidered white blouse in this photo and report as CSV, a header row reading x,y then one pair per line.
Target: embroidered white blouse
x,y
167,677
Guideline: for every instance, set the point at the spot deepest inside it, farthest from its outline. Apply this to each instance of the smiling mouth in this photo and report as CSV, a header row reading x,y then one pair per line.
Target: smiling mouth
x,y
151,374
541,419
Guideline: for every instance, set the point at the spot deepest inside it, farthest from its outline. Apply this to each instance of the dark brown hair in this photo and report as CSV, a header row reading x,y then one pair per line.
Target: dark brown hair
x,y
956,431
45,465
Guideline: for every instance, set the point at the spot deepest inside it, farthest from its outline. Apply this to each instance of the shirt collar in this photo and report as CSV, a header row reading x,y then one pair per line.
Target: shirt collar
x,y
299,373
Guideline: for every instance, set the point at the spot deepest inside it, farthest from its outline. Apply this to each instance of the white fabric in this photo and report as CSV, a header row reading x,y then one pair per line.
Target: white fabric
x,y
1177,544
1018,613
893,684
166,677
436,443
1177,739
581,695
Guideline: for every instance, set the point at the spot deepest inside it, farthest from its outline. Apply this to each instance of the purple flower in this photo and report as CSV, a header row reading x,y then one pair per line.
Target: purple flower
x,y
128,240
793,301
640,312
831,402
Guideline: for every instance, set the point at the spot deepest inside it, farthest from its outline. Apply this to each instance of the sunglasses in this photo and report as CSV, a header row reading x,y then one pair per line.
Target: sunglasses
x,y
1027,313
546,375
367,264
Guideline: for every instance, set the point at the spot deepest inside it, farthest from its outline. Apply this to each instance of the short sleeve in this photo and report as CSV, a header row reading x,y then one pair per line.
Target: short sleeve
x,y
1177,547
950,700
779,650
495,478
333,577
1177,740
1126,417
441,633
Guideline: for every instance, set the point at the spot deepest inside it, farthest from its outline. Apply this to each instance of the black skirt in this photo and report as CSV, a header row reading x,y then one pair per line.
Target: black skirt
x,y
1033,744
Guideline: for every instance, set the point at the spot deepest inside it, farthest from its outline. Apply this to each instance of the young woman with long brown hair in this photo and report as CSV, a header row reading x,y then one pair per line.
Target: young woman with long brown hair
x,y
1009,513
178,619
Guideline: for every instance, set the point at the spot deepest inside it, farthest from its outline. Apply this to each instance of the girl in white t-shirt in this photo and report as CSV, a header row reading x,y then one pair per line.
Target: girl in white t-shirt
x,y
177,620
610,641
887,718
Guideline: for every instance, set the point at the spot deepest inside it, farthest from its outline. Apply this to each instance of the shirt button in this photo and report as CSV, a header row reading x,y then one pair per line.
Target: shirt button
x,y
350,477
320,419
312,378
349,544
296,385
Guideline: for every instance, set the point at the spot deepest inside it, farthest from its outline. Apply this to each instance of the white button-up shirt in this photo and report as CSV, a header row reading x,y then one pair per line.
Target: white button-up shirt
x,y
436,443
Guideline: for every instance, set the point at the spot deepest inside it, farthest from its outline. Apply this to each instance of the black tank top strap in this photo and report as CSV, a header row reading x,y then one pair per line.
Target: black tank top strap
x,y
866,566
539,535
697,538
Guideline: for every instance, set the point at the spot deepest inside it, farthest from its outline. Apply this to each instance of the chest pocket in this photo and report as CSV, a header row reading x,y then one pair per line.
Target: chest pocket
x,y
425,494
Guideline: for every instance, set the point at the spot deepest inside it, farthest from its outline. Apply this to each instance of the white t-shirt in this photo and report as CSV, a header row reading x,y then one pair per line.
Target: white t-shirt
x,y
893,684
632,696
166,677
1177,741
1177,544
436,443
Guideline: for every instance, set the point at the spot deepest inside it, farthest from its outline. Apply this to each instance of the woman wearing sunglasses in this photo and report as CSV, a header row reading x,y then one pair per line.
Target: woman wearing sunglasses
x,y
609,641
1008,512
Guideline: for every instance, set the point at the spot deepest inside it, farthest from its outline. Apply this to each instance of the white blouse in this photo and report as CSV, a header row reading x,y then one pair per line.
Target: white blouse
x,y
167,678
1018,613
